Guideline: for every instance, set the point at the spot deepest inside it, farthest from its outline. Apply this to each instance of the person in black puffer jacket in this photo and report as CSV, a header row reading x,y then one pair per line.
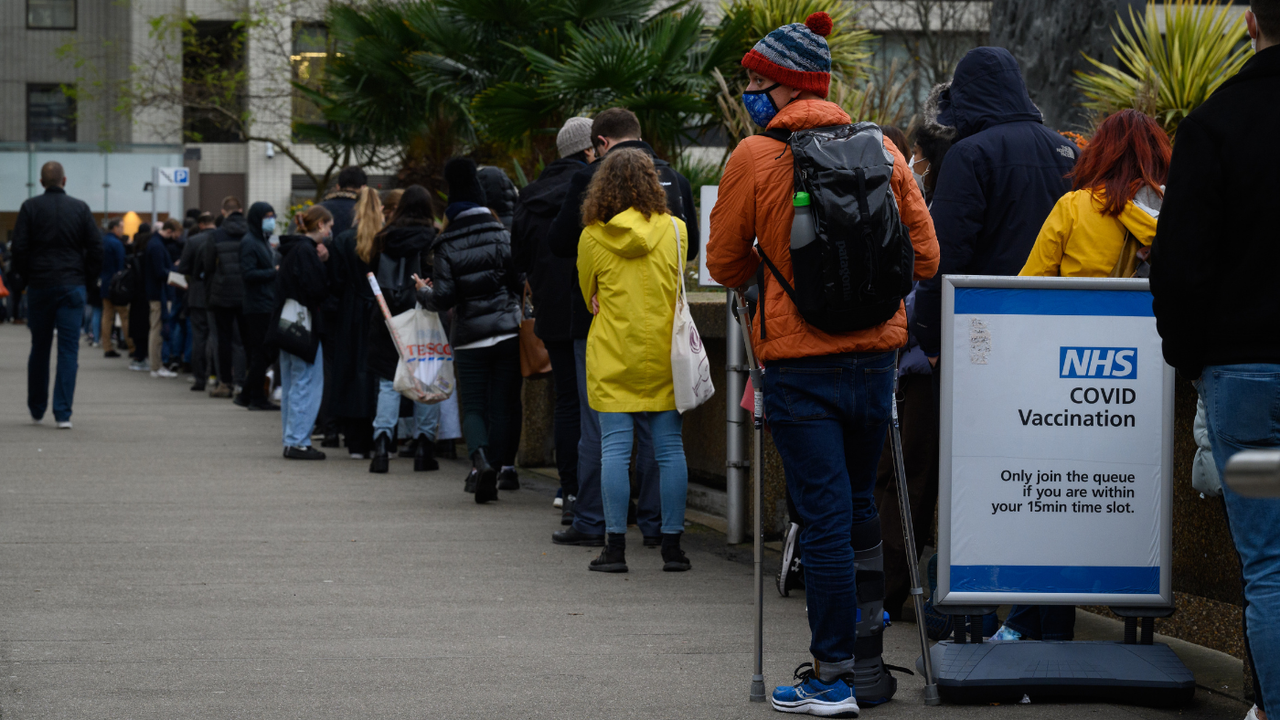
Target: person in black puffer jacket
x,y
474,274
226,288
258,271
304,279
499,192
400,252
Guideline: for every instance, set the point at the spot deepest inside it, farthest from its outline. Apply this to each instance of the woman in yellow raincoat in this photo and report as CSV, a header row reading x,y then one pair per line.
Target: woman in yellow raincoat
x,y
630,258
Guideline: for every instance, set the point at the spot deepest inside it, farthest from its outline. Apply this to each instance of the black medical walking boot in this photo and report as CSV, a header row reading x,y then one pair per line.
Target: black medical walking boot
x,y
486,479
872,682
381,455
424,457
613,559
673,558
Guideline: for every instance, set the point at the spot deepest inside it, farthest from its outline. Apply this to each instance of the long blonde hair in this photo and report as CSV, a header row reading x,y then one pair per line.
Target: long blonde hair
x,y
368,221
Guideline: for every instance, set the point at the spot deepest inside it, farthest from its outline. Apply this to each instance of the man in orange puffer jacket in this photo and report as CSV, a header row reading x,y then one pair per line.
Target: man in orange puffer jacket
x,y
827,396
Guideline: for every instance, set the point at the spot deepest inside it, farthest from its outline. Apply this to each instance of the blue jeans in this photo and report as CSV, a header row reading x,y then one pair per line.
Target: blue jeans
x,y
426,418
828,416
1043,622
615,465
1242,404
301,387
92,321
588,509
60,308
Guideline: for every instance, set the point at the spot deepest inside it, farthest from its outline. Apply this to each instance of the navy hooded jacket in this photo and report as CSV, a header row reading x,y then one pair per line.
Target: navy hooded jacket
x,y
257,265
998,183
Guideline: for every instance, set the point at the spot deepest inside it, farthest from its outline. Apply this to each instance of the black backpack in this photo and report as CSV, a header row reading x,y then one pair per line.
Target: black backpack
x,y
859,267
120,289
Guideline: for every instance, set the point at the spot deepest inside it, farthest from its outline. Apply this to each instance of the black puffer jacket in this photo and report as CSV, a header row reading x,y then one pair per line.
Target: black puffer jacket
x,y
500,193
411,243
474,274
257,264
222,253
56,242
554,280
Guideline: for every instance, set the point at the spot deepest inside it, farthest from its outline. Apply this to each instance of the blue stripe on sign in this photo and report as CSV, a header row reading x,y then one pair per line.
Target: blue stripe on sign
x,y
1005,301
1055,579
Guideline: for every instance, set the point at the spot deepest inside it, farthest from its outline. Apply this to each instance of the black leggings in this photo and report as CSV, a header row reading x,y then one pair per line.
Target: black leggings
x,y
227,320
253,333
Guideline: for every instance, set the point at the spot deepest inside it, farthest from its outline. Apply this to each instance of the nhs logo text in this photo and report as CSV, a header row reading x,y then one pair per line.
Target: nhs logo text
x,y
1098,362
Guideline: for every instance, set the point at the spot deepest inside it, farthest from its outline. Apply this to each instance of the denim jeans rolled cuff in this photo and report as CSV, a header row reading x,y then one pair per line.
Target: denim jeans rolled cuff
x,y
617,431
1242,406
830,671
426,418
301,388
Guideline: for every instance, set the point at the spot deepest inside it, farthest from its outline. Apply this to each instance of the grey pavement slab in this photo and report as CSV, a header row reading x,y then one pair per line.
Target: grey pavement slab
x,y
161,560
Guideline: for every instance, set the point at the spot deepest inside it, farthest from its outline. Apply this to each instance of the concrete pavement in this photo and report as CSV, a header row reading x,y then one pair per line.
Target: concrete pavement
x,y
161,560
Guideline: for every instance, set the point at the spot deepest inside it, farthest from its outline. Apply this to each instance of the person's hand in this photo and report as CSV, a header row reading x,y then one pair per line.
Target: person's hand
x,y
323,252
933,361
595,304
421,282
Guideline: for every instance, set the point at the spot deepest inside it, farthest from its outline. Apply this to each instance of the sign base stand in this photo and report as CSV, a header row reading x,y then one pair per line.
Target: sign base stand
x,y
1045,671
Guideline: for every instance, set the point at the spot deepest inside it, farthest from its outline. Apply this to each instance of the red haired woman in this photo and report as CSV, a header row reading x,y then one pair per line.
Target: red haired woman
x,y
1117,193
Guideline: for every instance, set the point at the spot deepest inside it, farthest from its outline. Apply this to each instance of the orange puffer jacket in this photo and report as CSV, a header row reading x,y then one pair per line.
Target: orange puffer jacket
x,y
755,202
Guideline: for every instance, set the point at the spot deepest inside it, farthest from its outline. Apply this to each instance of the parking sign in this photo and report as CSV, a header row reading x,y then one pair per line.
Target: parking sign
x,y
173,177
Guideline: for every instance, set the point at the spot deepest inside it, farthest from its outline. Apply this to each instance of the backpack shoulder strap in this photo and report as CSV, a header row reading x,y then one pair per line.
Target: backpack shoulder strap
x,y
779,134
786,287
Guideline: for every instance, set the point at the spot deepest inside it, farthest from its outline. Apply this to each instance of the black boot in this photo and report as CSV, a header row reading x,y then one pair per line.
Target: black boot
x,y
613,559
673,558
486,479
509,480
424,457
381,455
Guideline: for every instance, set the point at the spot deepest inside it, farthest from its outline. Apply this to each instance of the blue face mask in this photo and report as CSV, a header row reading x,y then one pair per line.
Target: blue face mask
x,y
268,226
760,106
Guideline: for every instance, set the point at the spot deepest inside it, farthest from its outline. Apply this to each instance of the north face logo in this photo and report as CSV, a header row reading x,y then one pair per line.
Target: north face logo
x,y
1066,152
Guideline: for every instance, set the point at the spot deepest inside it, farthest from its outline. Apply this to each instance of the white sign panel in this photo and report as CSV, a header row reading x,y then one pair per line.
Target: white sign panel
x,y
173,177
709,195
1056,462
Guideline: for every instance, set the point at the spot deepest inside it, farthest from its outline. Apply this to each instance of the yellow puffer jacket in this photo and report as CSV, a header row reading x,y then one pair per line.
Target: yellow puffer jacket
x,y
1079,241
633,266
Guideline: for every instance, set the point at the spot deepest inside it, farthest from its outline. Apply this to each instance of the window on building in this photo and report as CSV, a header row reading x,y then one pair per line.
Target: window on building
x,y
51,115
213,73
310,51
51,14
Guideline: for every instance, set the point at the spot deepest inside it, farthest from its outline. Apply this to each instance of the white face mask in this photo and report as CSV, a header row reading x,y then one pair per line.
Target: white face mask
x,y
1253,43
911,163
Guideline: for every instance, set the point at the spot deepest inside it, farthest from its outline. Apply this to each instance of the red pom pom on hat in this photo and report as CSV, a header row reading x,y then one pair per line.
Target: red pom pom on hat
x,y
819,23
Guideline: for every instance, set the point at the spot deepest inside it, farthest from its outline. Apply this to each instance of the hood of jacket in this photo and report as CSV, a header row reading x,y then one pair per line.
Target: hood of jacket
x,y
404,241
546,195
1140,222
629,234
805,114
236,226
257,212
987,90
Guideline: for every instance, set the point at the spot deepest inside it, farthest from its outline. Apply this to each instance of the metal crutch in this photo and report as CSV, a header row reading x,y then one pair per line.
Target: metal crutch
x,y
931,696
757,385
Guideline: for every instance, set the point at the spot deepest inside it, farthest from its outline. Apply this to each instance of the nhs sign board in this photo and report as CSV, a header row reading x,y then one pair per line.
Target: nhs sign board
x,y
1098,362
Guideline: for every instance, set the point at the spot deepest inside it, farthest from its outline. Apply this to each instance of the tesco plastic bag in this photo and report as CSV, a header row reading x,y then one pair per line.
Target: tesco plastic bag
x,y
425,371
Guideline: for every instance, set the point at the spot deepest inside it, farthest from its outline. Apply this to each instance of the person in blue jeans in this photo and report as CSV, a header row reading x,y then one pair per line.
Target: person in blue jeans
x,y
57,251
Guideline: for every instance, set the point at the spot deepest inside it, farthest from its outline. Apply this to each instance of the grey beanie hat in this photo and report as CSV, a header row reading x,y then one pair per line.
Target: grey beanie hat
x,y
574,137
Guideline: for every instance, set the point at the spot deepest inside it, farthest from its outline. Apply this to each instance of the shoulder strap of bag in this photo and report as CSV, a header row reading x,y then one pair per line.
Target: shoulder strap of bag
x,y
679,265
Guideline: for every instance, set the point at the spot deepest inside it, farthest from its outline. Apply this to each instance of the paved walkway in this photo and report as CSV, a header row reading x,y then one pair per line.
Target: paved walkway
x,y
161,560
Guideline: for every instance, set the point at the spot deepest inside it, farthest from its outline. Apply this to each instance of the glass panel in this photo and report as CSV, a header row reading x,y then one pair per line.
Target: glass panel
x,y
58,14
51,115
310,50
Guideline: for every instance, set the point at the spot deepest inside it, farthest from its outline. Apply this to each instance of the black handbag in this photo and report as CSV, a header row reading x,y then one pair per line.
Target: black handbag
x,y
293,330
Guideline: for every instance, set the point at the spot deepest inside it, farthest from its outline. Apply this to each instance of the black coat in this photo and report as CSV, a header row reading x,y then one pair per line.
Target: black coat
x,y
411,243
257,266
474,275
554,280
191,264
303,276
222,254
996,185
500,193
353,390
566,230
1216,243
341,204
55,242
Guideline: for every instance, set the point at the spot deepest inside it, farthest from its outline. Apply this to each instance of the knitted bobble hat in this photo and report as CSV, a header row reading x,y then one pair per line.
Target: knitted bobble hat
x,y
795,55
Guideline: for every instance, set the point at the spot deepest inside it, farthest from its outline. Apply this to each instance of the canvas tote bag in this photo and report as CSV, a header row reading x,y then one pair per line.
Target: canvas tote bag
x,y
690,367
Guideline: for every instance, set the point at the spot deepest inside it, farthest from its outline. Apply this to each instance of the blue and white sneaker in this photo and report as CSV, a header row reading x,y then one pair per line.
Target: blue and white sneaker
x,y
811,696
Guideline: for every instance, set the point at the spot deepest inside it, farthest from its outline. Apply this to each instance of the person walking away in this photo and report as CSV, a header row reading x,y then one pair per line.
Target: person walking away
x,y
191,265
156,267
630,263
474,275
57,251
1219,323
226,288
821,390
258,273
304,279
552,283
341,203
396,254
612,128
353,398
112,263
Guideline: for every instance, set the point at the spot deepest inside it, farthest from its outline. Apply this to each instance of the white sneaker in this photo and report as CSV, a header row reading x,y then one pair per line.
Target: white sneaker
x,y
138,366
163,373
64,424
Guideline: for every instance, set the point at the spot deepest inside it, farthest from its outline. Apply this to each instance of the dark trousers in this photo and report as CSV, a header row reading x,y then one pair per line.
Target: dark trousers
x,y
57,308
1043,622
918,418
227,320
568,417
200,345
488,390
253,333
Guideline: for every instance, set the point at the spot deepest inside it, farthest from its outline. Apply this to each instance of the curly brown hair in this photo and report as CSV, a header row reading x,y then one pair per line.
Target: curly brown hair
x,y
627,179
